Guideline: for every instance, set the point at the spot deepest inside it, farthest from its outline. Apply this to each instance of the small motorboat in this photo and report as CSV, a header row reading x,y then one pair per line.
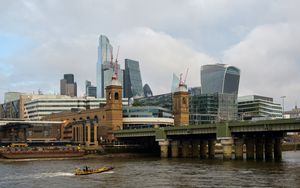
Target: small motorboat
x,y
87,171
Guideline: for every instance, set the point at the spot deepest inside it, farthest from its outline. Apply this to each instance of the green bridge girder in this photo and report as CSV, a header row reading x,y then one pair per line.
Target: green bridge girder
x,y
220,129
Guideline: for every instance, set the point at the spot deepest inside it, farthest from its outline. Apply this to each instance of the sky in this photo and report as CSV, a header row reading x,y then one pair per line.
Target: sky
x,y
42,40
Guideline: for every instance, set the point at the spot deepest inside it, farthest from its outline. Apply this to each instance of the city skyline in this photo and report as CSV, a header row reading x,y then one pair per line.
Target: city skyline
x,y
48,41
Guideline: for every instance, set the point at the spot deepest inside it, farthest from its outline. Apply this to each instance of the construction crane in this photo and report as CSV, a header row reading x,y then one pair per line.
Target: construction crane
x,y
114,65
182,81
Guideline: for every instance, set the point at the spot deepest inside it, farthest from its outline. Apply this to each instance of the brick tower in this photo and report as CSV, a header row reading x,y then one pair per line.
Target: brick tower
x,y
113,108
181,106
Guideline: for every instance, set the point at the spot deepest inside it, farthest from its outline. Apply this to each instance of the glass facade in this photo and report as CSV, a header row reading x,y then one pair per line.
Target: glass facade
x,y
219,78
147,91
175,83
258,107
104,58
133,86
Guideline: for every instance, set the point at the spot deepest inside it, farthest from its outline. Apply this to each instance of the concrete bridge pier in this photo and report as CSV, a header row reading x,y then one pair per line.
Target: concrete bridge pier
x,y
175,149
164,148
268,148
250,148
203,149
227,148
259,148
211,148
239,145
277,149
186,149
195,148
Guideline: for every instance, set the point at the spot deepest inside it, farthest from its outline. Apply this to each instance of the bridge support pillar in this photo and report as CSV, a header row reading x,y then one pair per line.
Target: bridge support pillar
x,y
211,148
227,148
250,148
268,148
174,149
195,148
186,149
239,145
164,146
259,149
277,149
203,149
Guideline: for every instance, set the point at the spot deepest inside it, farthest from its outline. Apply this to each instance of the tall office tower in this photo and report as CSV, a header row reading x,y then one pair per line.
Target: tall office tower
x,y
133,86
175,83
68,86
105,67
147,91
90,90
219,78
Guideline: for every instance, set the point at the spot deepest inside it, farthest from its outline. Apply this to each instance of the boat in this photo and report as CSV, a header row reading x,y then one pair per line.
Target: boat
x,y
45,152
88,171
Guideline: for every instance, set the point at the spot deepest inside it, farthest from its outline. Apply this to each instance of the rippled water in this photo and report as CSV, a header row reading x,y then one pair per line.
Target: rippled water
x,y
153,172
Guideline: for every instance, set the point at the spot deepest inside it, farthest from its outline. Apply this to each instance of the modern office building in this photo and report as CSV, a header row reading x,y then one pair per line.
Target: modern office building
x,y
175,83
105,66
194,91
219,78
90,90
203,108
135,117
147,91
68,86
43,105
133,86
10,109
11,96
258,107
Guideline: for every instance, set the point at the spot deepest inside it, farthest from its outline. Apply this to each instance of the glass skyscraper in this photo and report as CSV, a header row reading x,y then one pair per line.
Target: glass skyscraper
x,y
105,68
175,83
104,51
219,78
133,86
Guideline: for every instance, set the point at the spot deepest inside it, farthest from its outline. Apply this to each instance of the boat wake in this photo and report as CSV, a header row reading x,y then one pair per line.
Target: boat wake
x,y
37,176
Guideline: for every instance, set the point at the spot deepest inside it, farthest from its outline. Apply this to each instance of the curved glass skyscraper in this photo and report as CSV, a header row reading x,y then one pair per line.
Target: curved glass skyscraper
x,y
219,78
104,51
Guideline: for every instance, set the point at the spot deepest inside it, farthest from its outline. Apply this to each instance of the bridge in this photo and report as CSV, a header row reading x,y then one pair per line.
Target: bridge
x,y
262,138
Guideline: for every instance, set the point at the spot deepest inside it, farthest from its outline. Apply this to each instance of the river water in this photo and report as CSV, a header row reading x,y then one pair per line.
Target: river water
x,y
143,172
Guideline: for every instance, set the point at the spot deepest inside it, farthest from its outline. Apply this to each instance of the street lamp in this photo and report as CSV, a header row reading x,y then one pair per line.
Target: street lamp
x,y
283,97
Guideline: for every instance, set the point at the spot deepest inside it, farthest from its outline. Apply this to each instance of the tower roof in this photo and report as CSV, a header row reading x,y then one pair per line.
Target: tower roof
x,y
181,88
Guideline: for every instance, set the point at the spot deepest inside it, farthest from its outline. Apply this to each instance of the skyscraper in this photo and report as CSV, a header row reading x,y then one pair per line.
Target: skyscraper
x,y
222,80
105,68
90,90
133,86
147,91
219,78
175,83
68,86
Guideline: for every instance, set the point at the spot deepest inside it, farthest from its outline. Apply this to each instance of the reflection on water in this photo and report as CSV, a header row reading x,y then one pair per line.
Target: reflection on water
x,y
154,172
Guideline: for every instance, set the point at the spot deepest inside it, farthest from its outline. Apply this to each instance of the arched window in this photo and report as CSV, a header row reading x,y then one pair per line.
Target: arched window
x,y
184,100
116,96
109,94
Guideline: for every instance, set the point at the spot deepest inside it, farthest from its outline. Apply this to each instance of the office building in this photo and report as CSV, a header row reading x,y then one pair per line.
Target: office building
x,y
39,106
219,78
255,107
147,91
175,83
90,90
133,86
11,96
105,66
68,86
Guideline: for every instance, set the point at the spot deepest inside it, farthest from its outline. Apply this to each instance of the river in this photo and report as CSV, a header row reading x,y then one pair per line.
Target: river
x,y
146,172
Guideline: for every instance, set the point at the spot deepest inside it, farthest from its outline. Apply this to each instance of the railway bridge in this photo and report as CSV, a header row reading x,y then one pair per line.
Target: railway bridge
x,y
262,139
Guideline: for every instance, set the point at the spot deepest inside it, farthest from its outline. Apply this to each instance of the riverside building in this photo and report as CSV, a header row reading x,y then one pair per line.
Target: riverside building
x,y
255,107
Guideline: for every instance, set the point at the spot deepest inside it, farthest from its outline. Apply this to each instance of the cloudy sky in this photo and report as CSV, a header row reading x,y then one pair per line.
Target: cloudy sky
x,y
42,40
